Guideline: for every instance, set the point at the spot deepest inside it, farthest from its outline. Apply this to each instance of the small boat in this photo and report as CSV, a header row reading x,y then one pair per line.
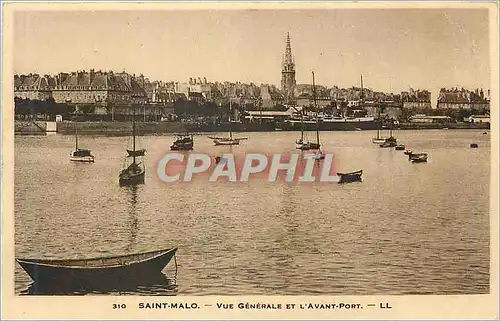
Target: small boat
x,y
400,147
485,133
378,140
350,177
407,152
391,139
474,145
221,141
133,174
388,144
183,142
318,155
226,141
418,158
82,156
300,143
79,154
125,267
307,145
136,153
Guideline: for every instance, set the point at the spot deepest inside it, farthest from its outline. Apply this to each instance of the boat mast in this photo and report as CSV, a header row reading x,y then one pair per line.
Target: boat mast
x,y
302,125
316,109
133,134
379,122
230,111
392,124
362,93
76,136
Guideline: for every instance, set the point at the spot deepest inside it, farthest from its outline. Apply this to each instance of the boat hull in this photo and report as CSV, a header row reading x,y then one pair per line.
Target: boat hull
x,y
136,153
184,147
378,140
350,177
330,125
132,177
417,157
387,145
308,146
84,159
226,142
46,271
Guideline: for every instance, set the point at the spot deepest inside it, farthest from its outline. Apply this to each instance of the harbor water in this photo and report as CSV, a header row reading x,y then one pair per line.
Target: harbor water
x,y
405,229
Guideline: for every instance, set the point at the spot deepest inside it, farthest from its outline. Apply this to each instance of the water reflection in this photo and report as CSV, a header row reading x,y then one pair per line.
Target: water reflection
x,y
383,236
158,284
132,195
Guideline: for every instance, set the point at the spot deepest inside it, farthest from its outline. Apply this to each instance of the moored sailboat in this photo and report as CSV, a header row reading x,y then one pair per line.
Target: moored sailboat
x,y
218,141
379,139
418,158
134,173
183,142
350,177
136,153
79,154
301,144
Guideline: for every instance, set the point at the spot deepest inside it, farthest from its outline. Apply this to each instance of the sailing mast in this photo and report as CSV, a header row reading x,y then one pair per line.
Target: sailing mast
x,y
378,123
76,136
316,109
230,124
133,134
302,125
392,124
362,93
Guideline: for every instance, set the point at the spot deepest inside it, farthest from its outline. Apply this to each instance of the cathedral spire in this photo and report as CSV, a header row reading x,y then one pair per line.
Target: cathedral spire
x,y
288,50
288,72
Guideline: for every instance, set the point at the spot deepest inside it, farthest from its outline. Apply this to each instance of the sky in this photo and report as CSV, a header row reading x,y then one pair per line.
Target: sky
x,y
394,49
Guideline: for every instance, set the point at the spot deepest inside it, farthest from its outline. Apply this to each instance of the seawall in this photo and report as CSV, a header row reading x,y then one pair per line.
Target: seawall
x,y
159,128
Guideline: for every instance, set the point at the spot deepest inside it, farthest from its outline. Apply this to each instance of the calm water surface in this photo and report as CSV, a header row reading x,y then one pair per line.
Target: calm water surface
x,y
406,229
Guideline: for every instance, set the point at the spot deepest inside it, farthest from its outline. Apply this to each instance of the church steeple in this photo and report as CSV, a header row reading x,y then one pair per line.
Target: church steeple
x,y
288,71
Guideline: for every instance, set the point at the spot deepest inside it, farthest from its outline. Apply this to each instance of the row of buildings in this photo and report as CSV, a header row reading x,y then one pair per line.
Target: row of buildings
x,y
110,92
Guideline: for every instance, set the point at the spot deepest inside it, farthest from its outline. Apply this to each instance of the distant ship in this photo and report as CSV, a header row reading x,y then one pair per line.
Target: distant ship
x,y
332,123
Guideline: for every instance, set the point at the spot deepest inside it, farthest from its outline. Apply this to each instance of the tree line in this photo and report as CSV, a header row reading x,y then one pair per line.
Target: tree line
x,y
48,108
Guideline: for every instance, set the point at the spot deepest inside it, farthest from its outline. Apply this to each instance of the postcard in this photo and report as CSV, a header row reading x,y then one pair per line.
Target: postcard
x,y
250,160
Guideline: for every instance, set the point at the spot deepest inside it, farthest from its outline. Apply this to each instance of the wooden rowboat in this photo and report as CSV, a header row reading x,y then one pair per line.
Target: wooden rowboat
x,y
350,177
136,153
400,147
126,267
418,157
